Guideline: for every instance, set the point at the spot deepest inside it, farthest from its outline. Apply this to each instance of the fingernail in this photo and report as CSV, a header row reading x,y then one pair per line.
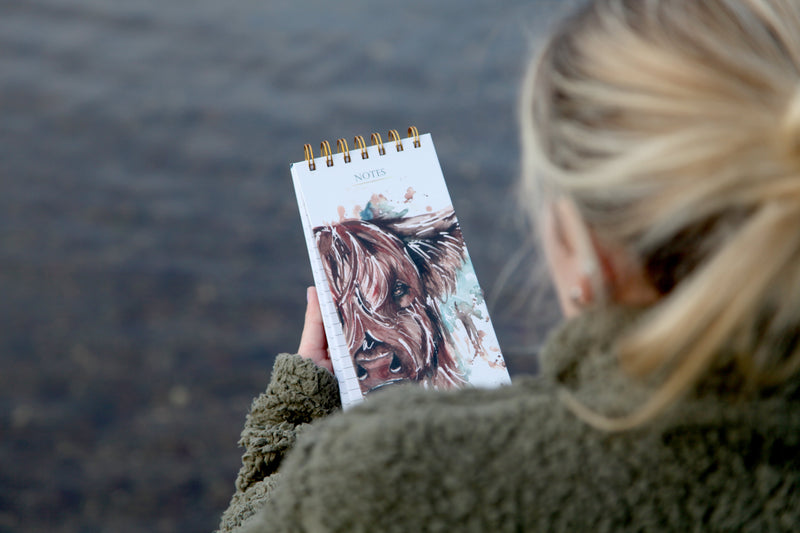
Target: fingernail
x,y
308,294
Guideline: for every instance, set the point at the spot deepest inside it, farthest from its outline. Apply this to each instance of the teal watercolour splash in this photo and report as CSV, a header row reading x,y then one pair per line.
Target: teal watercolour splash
x,y
380,210
466,299
367,213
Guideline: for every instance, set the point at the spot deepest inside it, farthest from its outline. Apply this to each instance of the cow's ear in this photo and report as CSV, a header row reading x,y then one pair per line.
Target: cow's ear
x,y
331,251
434,243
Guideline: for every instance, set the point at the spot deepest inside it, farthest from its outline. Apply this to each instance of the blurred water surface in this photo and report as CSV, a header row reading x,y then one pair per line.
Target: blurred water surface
x,y
151,257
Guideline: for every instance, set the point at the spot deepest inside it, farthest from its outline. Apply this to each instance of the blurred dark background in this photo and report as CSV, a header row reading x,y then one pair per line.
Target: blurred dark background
x,y
151,256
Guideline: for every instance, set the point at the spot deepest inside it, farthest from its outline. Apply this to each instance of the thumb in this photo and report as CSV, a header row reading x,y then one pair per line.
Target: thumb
x,y
313,342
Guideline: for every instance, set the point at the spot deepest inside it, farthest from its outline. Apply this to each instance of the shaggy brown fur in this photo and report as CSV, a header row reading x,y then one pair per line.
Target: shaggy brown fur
x,y
387,277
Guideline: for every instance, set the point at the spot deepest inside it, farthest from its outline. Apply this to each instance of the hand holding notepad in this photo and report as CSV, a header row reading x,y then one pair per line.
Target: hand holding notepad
x,y
398,294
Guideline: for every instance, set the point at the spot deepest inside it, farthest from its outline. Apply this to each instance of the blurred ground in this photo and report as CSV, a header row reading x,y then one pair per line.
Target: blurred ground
x,y
151,258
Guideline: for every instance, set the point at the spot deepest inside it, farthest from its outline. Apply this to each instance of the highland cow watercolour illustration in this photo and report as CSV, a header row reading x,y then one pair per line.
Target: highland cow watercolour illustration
x,y
388,277
400,299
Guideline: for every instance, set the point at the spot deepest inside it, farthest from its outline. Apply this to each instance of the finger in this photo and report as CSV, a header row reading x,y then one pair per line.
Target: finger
x,y
313,342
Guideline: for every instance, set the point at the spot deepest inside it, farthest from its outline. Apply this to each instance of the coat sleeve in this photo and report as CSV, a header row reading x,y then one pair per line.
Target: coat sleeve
x,y
414,460
298,393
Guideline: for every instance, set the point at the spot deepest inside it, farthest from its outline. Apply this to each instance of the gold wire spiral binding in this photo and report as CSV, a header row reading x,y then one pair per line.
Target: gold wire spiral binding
x,y
415,132
394,136
359,140
309,156
378,143
325,148
341,145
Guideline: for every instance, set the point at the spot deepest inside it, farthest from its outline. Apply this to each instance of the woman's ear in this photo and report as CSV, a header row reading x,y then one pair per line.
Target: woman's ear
x,y
570,256
584,269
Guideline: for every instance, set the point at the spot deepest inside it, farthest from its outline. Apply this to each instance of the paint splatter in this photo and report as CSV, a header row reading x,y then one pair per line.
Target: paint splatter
x,y
341,211
377,199
368,213
379,207
466,313
410,194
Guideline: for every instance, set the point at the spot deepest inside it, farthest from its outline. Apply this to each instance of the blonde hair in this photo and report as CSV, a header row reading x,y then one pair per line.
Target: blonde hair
x,y
674,127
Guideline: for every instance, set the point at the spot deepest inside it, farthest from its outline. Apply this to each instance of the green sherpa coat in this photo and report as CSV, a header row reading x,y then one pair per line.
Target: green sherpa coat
x,y
515,458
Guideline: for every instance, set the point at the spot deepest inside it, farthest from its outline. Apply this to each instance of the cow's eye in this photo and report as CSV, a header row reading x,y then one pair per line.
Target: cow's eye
x,y
399,290
396,366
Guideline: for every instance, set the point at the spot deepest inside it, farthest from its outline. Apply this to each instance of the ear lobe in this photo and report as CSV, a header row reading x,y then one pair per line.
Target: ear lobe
x,y
582,264
569,251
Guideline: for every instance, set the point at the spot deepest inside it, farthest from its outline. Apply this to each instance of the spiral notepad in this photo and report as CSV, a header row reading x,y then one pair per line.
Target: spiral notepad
x,y
399,297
